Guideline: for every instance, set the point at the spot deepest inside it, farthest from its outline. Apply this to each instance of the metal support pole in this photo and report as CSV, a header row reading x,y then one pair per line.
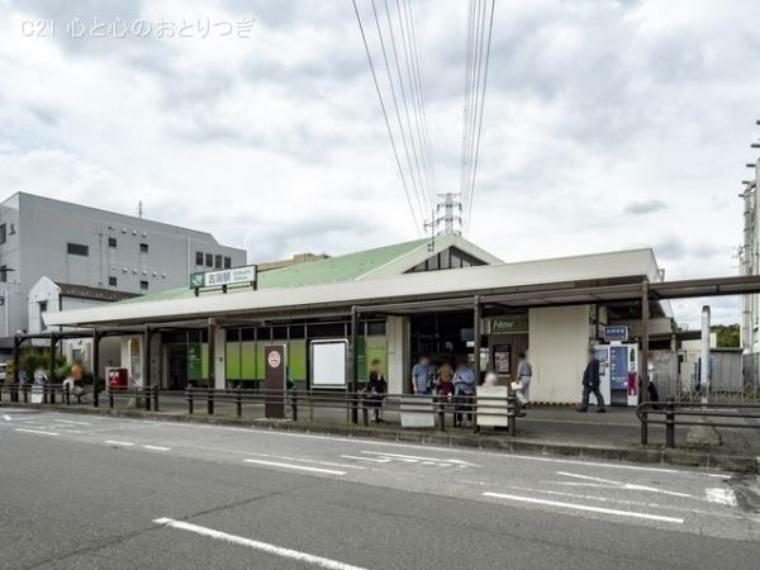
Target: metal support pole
x,y
294,405
67,395
15,359
670,423
155,398
212,354
704,378
110,397
147,336
210,402
95,368
239,402
189,396
476,309
51,360
352,366
644,373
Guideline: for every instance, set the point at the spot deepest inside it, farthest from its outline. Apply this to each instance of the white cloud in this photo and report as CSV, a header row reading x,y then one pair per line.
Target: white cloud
x,y
597,110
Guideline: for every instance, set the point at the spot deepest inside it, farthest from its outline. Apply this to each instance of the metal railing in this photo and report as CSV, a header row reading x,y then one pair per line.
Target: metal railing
x,y
304,405
671,412
358,406
52,393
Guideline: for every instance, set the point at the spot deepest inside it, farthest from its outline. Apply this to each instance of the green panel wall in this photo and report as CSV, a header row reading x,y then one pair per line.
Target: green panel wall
x,y
248,360
297,359
367,349
204,361
232,361
260,366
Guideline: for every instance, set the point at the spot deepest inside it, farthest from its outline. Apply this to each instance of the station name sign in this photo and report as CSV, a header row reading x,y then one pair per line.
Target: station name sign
x,y
224,277
616,332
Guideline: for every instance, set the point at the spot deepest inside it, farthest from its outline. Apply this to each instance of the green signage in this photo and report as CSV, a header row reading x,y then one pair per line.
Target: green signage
x,y
197,280
509,324
194,361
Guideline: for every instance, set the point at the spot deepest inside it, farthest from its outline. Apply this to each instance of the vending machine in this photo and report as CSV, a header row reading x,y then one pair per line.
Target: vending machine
x,y
619,373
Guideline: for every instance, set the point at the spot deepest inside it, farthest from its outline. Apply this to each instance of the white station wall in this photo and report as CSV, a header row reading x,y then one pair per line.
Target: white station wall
x,y
559,340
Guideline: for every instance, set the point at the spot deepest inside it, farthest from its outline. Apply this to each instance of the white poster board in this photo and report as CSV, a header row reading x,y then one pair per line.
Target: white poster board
x,y
328,363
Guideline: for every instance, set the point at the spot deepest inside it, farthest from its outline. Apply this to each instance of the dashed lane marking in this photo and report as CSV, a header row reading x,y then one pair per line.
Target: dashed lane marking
x,y
157,448
266,547
296,467
36,431
586,508
115,442
721,496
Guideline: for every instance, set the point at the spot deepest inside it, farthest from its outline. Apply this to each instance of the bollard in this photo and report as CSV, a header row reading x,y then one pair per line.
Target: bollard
x,y
239,402
644,429
210,402
511,419
189,396
670,423
155,398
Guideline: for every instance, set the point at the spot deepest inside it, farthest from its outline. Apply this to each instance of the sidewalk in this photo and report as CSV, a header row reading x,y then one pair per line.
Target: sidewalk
x,y
545,430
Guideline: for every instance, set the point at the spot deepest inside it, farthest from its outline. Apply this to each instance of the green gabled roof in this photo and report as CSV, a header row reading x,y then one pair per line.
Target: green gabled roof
x,y
331,270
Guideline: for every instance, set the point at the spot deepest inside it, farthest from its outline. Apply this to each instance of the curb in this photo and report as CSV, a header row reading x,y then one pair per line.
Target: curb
x,y
634,454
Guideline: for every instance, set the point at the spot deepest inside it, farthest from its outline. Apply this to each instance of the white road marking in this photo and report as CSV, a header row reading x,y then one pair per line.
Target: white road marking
x,y
7,418
157,448
586,508
721,496
115,442
370,459
418,458
37,431
625,486
73,422
289,553
304,460
296,467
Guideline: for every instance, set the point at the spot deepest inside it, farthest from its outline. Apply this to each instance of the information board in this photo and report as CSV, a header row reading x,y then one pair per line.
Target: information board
x,y
328,363
619,367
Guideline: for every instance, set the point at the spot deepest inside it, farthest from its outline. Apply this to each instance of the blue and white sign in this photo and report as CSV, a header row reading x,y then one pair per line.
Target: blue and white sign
x,y
616,332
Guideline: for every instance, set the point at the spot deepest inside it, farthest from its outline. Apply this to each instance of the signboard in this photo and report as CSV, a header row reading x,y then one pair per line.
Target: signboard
x,y
328,363
508,324
274,381
615,333
619,367
194,361
223,277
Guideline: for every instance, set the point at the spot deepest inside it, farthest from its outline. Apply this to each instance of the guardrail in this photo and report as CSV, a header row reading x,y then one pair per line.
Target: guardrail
x,y
424,411
671,410
480,410
51,393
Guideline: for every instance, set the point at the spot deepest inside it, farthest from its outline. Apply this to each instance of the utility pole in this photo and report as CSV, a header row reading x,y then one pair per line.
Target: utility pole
x,y
749,255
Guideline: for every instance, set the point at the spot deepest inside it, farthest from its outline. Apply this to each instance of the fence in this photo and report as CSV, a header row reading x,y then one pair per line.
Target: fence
x,y
304,405
671,410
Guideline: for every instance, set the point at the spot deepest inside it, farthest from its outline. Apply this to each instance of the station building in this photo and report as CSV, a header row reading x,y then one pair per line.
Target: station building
x,y
448,299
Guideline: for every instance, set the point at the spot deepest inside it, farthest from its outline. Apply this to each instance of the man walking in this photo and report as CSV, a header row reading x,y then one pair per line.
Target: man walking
x,y
591,382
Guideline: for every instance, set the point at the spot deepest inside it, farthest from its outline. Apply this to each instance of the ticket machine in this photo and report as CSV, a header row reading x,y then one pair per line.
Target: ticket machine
x,y
619,373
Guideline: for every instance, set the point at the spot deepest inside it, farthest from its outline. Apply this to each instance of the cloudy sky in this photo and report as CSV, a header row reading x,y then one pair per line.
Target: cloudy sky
x,y
609,124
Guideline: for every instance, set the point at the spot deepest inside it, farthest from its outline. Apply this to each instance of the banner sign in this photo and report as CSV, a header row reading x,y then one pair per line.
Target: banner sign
x,y
509,324
616,332
236,275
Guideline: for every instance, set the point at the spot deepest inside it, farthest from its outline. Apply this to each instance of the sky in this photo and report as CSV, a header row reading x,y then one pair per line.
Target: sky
x,y
608,124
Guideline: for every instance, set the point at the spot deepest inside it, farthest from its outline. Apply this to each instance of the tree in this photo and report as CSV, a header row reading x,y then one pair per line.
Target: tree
x,y
728,335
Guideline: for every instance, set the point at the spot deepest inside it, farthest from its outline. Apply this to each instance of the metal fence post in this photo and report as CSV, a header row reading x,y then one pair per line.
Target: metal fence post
x,y
52,394
155,398
210,402
25,390
44,393
239,402
670,423
189,396
644,429
67,395
511,418
474,409
110,398
441,414
294,404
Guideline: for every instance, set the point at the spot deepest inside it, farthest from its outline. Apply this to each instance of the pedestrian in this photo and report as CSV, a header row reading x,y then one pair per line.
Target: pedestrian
x,y
444,385
464,388
524,376
376,389
423,376
591,382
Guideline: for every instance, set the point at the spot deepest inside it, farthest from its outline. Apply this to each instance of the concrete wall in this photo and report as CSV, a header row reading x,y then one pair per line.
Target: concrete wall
x,y
559,340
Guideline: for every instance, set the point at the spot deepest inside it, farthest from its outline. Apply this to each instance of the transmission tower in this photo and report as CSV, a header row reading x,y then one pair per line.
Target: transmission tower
x,y
448,214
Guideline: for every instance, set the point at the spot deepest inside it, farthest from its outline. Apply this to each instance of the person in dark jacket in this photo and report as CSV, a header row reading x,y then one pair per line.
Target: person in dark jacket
x,y
591,382
376,389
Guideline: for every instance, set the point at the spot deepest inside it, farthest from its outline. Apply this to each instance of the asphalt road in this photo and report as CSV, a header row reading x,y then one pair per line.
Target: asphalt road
x,y
82,491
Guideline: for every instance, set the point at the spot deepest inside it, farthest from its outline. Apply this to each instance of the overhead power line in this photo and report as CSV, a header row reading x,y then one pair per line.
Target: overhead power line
x,y
402,98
